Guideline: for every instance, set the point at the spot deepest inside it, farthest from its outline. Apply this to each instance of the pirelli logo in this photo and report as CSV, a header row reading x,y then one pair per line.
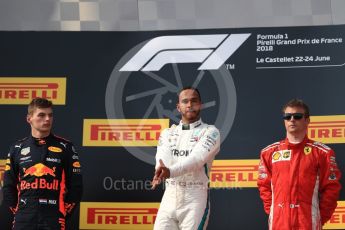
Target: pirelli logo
x,y
98,215
2,170
327,129
337,220
17,90
123,132
234,173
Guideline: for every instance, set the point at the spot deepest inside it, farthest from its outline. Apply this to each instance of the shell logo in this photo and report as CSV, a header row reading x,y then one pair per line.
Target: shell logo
x,y
276,156
54,149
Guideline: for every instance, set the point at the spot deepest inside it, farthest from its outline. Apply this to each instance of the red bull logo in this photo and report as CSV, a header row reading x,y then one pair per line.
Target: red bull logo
x,y
40,184
39,170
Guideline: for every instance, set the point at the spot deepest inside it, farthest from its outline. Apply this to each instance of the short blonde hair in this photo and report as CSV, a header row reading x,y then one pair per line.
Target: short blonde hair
x,y
39,103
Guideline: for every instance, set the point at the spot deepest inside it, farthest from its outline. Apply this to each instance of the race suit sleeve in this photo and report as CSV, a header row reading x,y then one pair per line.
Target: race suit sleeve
x,y
264,182
11,181
163,148
204,151
330,186
74,181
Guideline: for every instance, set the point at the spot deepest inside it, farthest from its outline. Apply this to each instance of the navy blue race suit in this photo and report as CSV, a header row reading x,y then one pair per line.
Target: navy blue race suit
x,y
42,182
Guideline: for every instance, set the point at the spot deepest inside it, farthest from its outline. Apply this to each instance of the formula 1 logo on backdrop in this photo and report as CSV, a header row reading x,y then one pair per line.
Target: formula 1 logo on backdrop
x,y
146,80
211,50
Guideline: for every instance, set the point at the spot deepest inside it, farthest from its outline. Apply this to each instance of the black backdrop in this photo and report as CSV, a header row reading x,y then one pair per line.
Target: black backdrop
x,y
244,101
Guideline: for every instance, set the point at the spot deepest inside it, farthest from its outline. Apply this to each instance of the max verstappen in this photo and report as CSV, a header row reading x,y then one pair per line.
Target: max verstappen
x,y
184,157
298,177
42,179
